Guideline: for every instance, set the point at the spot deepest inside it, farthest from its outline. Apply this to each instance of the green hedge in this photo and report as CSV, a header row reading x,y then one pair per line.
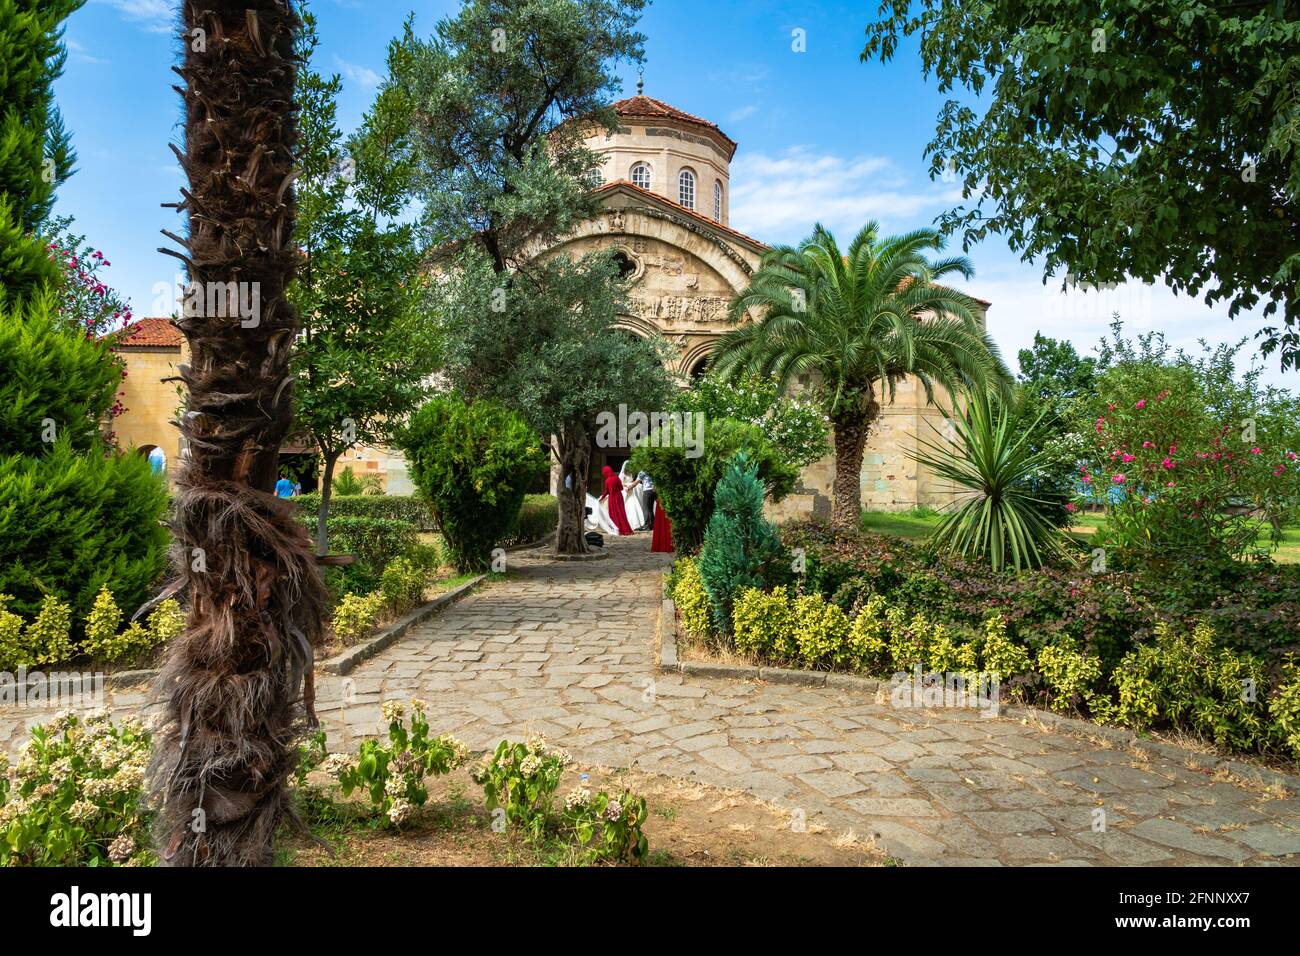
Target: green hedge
x,y
391,507
538,517
375,541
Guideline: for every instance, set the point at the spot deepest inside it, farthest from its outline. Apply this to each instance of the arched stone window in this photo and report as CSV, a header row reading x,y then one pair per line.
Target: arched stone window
x,y
641,175
686,189
717,202
595,179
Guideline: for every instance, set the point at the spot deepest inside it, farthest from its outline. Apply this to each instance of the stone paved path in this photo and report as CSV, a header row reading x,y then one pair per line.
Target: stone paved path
x,y
567,649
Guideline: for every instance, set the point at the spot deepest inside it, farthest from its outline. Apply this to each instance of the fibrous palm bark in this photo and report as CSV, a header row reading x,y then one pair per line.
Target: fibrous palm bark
x,y
235,683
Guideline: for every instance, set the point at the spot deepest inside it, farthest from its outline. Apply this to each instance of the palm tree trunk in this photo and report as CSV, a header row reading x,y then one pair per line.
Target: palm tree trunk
x,y
234,681
851,429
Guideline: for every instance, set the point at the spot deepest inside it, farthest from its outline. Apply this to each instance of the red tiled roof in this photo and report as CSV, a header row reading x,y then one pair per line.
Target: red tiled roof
x,y
150,334
647,107
711,223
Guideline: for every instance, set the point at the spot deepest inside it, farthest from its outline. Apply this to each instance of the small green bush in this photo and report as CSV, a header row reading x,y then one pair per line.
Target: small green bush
x,y
1284,708
355,615
692,600
1072,677
538,516
472,463
393,774
685,486
741,549
402,584
520,779
762,622
821,632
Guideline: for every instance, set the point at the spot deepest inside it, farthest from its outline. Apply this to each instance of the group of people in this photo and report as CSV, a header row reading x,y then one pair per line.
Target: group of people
x,y
627,505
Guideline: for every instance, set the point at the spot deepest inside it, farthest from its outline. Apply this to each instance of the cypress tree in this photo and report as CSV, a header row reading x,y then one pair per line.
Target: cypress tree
x,y
74,513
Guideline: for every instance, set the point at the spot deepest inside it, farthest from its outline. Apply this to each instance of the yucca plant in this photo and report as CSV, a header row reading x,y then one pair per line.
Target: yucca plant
x,y
999,518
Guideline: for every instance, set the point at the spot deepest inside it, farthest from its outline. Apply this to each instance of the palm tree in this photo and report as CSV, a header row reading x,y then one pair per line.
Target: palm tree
x,y
857,322
235,681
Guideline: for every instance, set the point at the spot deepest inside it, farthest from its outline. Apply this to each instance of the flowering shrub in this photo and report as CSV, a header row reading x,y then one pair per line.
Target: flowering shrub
x,y
355,615
608,828
75,796
520,779
1186,481
393,774
89,305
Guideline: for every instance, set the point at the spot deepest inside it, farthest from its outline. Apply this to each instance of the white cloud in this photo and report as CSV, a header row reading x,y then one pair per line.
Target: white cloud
x,y
81,54
779,198
360,74
744,113
157,16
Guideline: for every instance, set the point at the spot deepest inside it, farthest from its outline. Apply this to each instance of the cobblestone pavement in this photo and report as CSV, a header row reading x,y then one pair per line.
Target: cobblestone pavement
x,y
567,649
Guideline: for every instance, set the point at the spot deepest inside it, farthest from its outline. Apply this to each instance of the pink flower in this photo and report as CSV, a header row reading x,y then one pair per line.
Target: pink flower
x,y
1279,471
1172,449
1147,444
1141,404
1169,485
1087,479
1255,451
1292,455
1110,406
1118,479
1069,506
1168,463
1127,458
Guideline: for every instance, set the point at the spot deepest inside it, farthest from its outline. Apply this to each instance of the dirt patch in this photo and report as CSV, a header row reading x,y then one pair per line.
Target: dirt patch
x,y
689,825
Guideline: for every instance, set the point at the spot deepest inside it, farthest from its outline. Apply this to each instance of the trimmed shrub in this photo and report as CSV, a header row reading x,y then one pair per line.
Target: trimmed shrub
x,y
355,615
691,599
538,516
686,486
72,523
741,549
1284,708
821,632
402,584
1071,677
375,542
472,463
390,507
762,623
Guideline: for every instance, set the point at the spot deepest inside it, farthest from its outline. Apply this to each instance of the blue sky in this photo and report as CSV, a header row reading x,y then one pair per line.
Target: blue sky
x,y
822,136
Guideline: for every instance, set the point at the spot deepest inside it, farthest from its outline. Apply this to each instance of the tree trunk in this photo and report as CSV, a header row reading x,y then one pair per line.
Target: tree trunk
x,y
233,685
326,492
851,429
575,457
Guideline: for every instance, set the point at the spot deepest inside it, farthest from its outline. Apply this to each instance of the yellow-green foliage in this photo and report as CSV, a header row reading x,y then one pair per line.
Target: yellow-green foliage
x,y
821,632
1070,675
104,642
103,621
356,614
12,655
167,621
48,638
906,638
762,622
1284,708
402,584
867,635
1186,681
692,600
1001,656
947,656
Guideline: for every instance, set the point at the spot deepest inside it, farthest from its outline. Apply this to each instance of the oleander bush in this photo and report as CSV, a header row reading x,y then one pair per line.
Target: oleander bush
x,y
75,797
393,774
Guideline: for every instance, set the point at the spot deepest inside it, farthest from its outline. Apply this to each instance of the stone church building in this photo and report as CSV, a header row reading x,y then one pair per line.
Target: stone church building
x,y
664,185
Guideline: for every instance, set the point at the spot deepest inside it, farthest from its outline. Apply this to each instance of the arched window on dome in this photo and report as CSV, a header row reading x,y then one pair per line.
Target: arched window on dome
x,y
686,189
641,175
717,202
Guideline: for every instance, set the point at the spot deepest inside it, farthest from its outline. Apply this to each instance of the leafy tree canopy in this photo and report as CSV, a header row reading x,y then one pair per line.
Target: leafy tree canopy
x,y
1158,139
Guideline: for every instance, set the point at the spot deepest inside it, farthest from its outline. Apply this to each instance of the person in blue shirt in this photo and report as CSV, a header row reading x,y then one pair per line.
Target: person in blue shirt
x,y
284,488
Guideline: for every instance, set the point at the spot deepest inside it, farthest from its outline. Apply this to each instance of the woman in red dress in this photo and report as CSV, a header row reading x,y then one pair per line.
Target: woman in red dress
x,y
613,497
662,537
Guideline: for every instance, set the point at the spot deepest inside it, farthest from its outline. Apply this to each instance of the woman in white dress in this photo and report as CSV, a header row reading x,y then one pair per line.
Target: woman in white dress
x,y
598,520
631,504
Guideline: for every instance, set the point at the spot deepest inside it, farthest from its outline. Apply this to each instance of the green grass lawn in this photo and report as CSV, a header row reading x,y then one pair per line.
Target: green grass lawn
x,y
919,522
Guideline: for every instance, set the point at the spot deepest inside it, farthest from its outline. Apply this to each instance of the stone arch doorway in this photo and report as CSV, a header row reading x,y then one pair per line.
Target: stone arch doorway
x,y
156,457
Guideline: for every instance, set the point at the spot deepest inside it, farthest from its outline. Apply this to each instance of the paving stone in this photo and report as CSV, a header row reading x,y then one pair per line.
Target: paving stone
x,y
1172,834
893,807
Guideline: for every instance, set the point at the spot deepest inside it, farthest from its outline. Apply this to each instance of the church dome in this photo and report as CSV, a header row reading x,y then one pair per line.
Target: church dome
x,y
668,152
